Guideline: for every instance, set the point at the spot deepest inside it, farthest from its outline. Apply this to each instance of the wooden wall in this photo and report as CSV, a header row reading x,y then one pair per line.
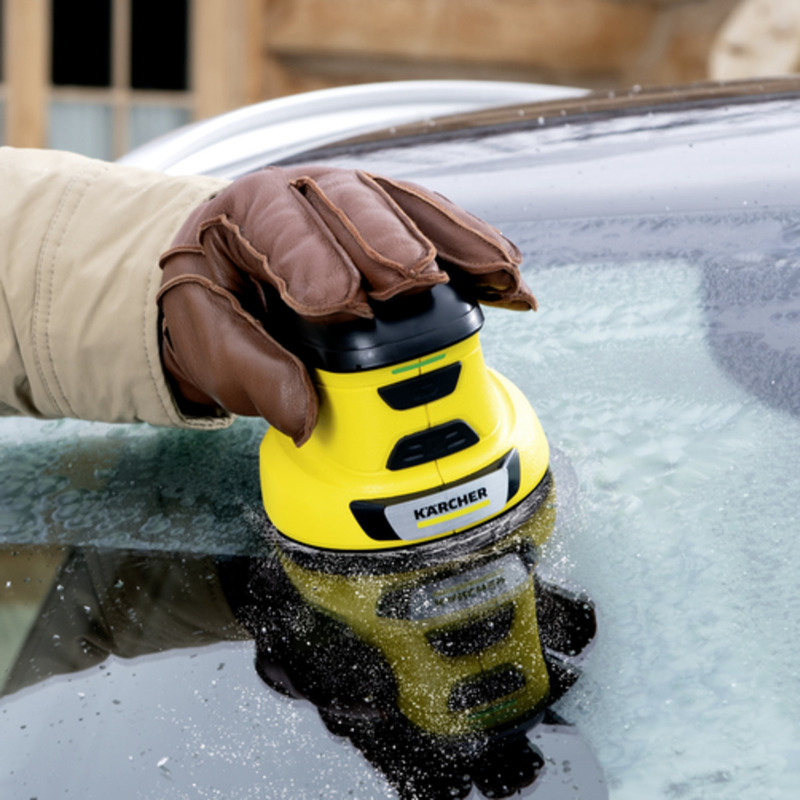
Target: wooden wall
x,y
592,43
244,51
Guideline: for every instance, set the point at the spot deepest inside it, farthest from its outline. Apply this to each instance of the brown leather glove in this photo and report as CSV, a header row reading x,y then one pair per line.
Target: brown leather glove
x,y
326,239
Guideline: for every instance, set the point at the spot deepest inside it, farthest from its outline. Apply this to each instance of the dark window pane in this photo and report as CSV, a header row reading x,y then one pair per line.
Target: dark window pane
x,y
159,44
2,37
81,43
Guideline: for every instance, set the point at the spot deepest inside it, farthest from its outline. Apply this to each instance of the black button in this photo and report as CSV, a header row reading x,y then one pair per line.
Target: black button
x,y
433,443
422,389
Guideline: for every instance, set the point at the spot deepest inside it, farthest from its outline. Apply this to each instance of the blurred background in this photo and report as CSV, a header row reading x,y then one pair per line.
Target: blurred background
x,y
103,76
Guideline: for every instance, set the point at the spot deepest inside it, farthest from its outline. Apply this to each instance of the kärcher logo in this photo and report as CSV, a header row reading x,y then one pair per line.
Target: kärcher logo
x,y
454,503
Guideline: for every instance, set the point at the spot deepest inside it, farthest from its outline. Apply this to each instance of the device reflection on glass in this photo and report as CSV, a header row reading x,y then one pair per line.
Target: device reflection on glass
x,y
435,672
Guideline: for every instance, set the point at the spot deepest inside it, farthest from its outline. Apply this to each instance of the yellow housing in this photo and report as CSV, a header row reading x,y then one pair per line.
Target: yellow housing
x,y
351,459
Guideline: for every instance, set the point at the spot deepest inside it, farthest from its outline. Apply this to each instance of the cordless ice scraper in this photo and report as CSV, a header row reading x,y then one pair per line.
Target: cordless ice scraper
x,y
417,440
410,521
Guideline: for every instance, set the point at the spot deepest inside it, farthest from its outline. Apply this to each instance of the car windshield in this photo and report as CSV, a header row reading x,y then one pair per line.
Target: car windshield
x,y
664,365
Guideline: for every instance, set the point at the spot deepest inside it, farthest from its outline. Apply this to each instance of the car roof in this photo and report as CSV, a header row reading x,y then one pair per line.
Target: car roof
x,y
264,133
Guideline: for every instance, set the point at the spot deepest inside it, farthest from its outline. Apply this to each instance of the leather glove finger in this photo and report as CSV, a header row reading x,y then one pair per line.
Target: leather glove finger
x,y
260,227
489,259
385,245
218,355
318,235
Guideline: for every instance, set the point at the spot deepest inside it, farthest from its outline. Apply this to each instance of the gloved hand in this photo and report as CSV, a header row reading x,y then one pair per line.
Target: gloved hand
x,y
326,239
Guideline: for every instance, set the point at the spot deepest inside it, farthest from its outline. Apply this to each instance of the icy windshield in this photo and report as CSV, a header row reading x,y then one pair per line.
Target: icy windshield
x,y
674,392
680,443
138,593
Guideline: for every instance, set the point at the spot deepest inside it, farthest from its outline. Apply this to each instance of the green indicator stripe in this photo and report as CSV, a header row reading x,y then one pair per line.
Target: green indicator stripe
x,y
418,364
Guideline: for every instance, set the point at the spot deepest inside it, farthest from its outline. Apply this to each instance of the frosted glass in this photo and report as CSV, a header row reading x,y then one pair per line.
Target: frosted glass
x,y
678,485
148,122
85,128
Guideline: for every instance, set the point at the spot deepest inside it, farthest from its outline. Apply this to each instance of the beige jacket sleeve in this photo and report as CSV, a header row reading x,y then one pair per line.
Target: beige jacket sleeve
x,y
78,277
